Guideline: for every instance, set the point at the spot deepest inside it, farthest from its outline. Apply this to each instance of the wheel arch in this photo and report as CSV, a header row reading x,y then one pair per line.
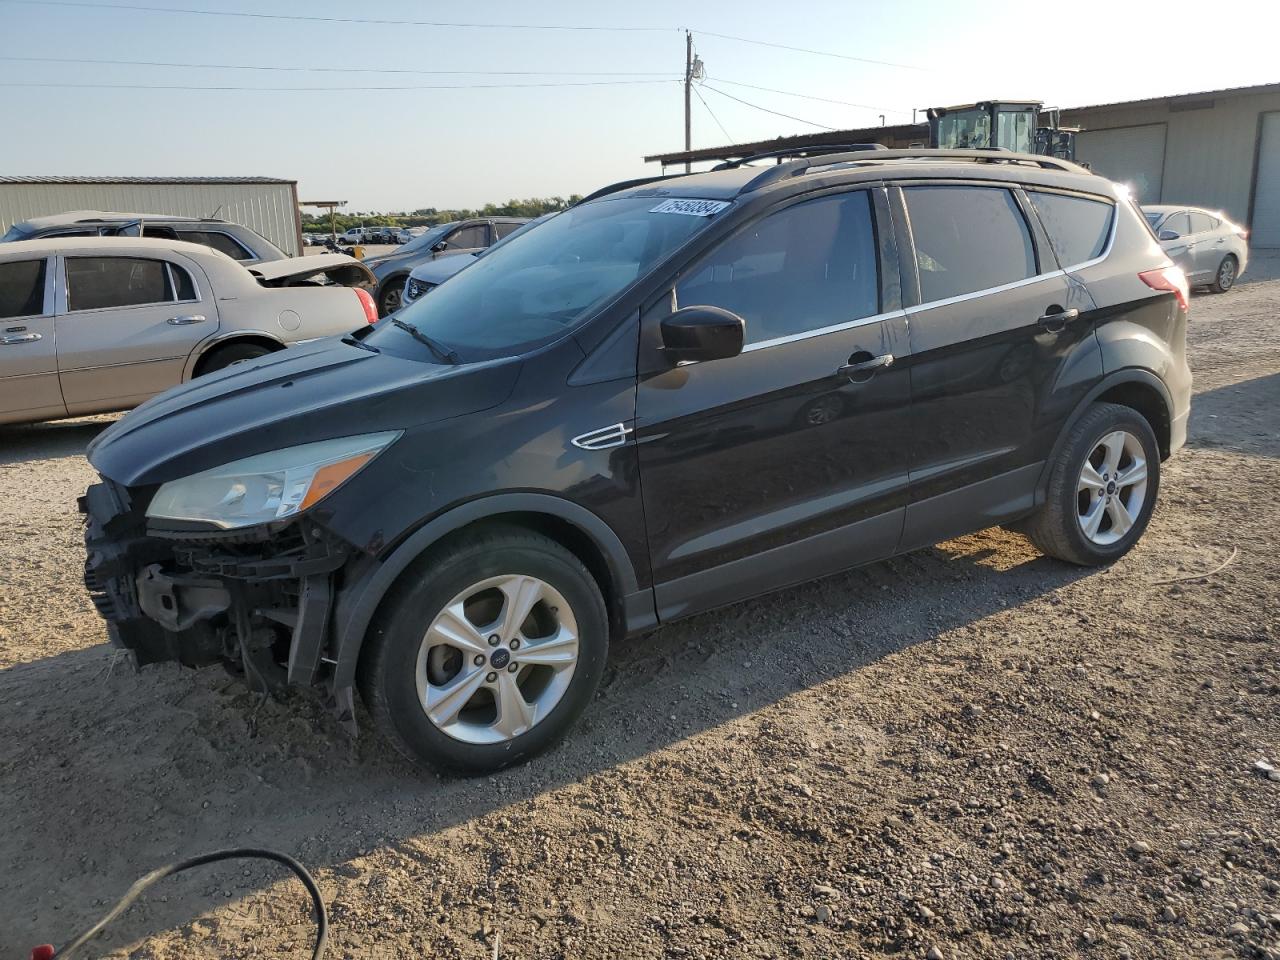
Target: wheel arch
x,y
571,525
1138,389
202,353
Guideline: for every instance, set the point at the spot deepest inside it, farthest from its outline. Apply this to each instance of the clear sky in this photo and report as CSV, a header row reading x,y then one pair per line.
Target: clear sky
x,y
395,149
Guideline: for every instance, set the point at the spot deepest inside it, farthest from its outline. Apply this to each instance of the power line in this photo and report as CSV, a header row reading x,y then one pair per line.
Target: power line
x,y
218,88
142,8
806,96
783,46
698,94
343,70
757,106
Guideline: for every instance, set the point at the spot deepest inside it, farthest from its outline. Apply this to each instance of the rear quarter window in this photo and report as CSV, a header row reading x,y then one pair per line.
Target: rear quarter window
x,y
1078,227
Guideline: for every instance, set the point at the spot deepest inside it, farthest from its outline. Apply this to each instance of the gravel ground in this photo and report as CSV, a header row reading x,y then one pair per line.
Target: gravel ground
x,y
970,751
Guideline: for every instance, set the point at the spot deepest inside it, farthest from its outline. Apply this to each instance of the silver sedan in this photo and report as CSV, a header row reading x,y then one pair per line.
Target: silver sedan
x,y
1211,250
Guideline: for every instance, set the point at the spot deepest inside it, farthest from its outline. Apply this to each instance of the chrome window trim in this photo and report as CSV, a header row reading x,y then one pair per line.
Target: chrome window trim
x,y
822,331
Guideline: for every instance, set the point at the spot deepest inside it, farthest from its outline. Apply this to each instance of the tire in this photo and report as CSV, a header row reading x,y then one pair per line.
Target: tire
x,y
1224,278
219,358
1075,502
391,297
402,670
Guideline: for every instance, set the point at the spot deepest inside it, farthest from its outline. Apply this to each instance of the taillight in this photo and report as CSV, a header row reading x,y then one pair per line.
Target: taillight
x,y
370,308
1171,279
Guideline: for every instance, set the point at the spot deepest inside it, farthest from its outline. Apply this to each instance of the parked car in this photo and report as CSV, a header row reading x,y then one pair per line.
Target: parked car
x,y
235,240
673,396
353,236
1211,250
447,240
91,325
429,275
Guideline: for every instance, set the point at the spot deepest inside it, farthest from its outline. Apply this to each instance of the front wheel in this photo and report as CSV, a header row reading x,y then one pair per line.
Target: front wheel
x,y
1225,278
488,654
1102,488
392,297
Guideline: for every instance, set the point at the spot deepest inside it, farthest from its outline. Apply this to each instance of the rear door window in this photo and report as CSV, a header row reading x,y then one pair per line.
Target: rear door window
x,y
802,269
968,239
506,229
1179,223
97,283
1078,227
218,241
22,288
1203,223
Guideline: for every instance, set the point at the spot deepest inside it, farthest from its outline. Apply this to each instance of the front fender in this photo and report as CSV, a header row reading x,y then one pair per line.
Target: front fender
x,y
358,603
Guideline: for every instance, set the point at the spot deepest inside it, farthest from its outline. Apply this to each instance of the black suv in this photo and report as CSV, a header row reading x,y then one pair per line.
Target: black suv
x,y
675,395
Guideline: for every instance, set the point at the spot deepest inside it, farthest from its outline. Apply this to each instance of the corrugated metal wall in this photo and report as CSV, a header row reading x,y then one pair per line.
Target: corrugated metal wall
x,y
1209,152
269,208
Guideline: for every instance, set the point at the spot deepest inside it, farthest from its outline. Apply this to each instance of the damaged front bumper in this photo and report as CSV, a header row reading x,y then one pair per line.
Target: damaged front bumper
x,y
260,600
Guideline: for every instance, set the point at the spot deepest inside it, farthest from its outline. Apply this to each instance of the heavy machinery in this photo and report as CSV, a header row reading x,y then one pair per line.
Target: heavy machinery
x,y
1001,125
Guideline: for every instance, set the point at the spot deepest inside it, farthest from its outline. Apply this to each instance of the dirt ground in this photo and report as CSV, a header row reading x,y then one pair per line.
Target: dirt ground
x,y
970,751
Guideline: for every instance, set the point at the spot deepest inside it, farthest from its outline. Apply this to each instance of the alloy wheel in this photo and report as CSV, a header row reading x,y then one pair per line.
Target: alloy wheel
x,y
1226,273
1112,488
497,659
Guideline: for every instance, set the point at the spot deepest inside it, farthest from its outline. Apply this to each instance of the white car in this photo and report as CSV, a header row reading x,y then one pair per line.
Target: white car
x,y
93,325
1211,250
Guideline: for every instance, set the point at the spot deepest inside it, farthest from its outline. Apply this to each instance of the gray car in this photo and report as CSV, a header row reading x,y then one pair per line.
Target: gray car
x,y
446,240
1211,250
235,240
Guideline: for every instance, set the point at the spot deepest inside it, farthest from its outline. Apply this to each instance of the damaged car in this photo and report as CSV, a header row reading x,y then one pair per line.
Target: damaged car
x,y
675,395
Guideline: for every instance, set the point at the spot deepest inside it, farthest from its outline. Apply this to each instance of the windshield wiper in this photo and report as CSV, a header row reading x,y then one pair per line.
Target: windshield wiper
x,y
442,352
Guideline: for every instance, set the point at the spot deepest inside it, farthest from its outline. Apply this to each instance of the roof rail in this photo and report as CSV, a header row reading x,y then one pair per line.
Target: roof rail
x,y
799,152
626,185
797,167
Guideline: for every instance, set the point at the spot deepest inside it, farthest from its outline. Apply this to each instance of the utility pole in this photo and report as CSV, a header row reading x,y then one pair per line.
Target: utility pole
x,y
688,93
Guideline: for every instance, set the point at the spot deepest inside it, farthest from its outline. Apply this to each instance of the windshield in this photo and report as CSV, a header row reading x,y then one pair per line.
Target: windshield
x,y
1152,218
428,239
543,283
964,129
518,232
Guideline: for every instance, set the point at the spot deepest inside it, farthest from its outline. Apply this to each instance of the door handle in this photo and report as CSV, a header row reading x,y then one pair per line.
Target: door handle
x,y
11,338
866,366
1057,319
183,321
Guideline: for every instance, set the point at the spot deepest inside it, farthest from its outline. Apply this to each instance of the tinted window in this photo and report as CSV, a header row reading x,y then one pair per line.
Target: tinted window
x,y
1153,217
968,239
506,229
540,285
186,288
22,288
1078,228
1179,223
1203,223
809,266
217,240
94,283
470,237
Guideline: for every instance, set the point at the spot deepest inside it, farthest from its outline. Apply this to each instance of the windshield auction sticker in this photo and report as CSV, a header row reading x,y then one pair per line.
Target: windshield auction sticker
x,y
691,208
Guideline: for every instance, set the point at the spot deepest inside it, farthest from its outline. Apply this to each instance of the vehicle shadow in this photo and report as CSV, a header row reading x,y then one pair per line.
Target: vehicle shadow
x,y
53,440
151,767
1240,417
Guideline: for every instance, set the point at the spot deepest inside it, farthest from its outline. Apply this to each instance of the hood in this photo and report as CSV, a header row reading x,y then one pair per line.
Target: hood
x,y
337,267
318,391
438,271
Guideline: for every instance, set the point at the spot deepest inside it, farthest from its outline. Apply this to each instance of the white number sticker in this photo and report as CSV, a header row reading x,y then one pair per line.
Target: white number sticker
x,y
691,208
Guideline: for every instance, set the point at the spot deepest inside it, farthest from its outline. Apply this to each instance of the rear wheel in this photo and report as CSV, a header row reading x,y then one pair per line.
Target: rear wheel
x,y
391,298
487,655
1225,278
1102,488
222,357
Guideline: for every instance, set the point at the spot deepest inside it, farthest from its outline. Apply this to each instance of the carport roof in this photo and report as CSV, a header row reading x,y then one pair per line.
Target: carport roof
x,y
172,180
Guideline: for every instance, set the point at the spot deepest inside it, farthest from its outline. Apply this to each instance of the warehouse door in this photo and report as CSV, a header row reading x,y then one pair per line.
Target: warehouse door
x,y
1265,230
1130,155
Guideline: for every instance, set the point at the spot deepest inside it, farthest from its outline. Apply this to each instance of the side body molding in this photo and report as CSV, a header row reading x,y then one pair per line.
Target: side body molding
x,y
358,602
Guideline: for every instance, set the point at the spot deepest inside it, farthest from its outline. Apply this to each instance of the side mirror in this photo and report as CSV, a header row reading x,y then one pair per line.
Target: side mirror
x,y
441,245
1169,235
695,334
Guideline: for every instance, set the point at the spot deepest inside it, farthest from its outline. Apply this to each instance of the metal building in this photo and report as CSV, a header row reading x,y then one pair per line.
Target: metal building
x,y
1219,149
264,204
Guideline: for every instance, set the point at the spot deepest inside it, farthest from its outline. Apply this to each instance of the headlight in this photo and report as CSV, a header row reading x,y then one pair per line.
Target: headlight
x,y
270,486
